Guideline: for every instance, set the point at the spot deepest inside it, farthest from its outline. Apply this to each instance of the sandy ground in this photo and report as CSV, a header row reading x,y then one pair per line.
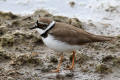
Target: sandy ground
x,y
23,56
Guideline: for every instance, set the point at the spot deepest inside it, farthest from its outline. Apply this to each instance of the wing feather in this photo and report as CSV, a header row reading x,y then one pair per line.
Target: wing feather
x,y
70,34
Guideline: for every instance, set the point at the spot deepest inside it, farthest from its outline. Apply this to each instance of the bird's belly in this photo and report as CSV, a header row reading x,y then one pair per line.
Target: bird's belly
x,y
58,45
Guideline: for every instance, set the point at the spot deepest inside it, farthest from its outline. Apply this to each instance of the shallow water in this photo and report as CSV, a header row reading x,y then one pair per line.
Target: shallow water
x,y
102,13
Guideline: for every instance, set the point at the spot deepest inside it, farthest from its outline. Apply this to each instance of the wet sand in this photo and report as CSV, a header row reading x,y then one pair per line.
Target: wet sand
x,y
23,56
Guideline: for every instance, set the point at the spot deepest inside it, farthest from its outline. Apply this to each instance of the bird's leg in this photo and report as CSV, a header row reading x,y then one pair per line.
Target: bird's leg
x,y
73,61
59,64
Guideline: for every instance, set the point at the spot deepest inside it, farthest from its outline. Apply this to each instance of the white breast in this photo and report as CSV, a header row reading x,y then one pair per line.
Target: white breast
x,y
58,45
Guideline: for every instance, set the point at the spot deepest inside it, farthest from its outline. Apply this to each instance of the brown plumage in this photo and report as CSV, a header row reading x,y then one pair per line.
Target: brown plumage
x,y
75,36
69,34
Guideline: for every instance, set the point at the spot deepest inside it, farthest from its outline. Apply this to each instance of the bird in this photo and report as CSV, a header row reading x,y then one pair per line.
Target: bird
x,y
63,37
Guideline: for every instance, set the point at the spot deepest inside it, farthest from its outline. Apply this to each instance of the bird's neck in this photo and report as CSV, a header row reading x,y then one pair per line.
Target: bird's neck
x,y
44,33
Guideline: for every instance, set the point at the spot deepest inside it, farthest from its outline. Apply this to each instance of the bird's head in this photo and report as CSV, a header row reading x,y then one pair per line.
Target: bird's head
x,y
41,24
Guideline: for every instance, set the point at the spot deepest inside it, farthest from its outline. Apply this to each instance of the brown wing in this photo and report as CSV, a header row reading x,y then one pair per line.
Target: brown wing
x,y
70,34
75,36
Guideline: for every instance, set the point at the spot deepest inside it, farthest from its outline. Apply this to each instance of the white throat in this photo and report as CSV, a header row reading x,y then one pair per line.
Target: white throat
x,y
48,27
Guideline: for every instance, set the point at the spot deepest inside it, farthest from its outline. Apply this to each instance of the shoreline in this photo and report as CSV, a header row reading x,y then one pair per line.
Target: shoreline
x,y
24,56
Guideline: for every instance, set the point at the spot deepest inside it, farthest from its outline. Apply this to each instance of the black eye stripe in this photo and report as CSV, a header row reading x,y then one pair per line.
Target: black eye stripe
x,y
41,25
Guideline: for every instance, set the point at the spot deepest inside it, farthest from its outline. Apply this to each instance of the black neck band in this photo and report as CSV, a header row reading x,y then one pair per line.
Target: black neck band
x,y
45,34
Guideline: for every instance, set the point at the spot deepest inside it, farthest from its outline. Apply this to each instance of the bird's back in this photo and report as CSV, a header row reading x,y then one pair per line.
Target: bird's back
x,y
75,36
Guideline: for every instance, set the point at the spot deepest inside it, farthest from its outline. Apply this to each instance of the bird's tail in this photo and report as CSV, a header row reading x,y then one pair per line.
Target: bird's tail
x,y
99,38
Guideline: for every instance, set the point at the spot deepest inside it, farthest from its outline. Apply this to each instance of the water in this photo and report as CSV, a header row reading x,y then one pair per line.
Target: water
x,y
85,10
